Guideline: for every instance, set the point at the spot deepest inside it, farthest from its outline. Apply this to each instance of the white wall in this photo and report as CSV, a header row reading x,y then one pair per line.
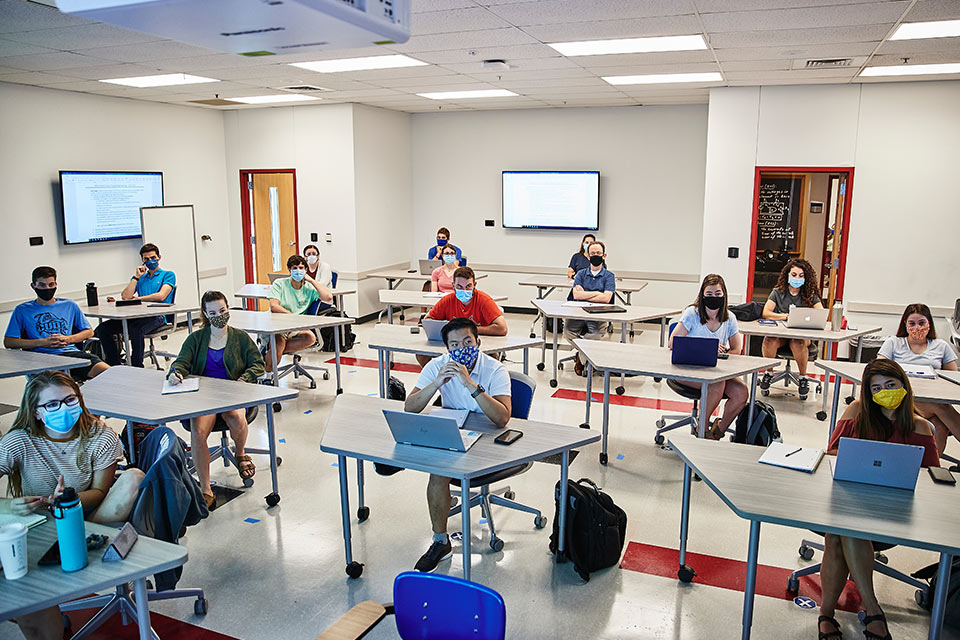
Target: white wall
x,y
43,131
651,162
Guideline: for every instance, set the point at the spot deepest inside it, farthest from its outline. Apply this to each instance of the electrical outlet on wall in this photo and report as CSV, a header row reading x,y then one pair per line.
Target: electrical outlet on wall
x,y
329,237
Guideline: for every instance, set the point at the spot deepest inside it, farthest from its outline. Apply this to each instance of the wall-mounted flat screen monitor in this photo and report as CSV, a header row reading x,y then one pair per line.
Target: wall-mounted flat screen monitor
x,y
551,200
105,205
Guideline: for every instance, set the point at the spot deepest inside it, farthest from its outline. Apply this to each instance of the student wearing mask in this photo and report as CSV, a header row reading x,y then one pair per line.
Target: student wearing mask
x,y
218,351
443,239
709,317
580,260
56,443
593,284
294,295
319,271
442,277
149,283
796,287
52,325
466,379
916,342
884,412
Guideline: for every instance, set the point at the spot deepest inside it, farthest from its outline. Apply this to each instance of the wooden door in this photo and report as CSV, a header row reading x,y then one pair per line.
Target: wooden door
x,y
270,215
833,256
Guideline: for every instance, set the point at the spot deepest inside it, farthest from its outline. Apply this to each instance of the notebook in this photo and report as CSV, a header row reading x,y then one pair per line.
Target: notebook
x,y
919,371
780,454
28,521
952,376
188,384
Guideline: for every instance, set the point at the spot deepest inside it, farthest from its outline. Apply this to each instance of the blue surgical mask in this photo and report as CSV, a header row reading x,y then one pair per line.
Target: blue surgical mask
x,y
465,355
297,274
152,263
441,242
449,259
796,283
586,247
464,295
63,419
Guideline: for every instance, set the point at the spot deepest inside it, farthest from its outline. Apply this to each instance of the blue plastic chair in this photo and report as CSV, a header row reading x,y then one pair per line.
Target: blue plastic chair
x,y
431,606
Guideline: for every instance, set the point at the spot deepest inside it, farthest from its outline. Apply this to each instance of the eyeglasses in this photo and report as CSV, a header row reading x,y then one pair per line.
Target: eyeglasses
x,y
71,400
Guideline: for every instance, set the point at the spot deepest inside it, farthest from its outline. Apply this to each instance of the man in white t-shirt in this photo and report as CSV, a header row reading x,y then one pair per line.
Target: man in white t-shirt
x,y
466,379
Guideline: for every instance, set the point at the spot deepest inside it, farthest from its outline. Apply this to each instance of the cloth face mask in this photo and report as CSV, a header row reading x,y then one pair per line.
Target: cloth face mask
x,y
890,398
465,355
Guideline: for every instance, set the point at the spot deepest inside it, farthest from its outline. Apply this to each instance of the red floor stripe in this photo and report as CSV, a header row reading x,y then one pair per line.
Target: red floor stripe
x,y
625,400
729,574
166,627
372,364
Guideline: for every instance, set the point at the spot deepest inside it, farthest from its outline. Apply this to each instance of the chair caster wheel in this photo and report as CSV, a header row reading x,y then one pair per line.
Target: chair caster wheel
x,y
273,499
540,366
659,439
821,415
553,383
793,585
805,552
279,461
540,522
362,514
882,559
685,574
454,501
277,407
603,458
764,392
922,598
496,544
661,423
313,385
585,425
620,391
354,569
509,495
339,391
657,379
247,483
326,376
200,607
697,478
802,398
560,367
533,335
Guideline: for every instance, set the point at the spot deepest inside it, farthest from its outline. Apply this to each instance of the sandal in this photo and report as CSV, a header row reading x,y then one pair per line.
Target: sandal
x,y
715,432
210,499
821,635
870,635
246,467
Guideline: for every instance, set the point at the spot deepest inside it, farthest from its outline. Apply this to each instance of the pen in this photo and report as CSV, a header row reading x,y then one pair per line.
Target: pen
x,y
793,452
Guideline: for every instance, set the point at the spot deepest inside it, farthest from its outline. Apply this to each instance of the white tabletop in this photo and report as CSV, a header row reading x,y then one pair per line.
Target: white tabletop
x,y
393,337
265,322
15,362
654,361
44,587
563,282
409,298
401,274
779,330
926,518
110,311
634,313
257,291
131,393
935,390
356,428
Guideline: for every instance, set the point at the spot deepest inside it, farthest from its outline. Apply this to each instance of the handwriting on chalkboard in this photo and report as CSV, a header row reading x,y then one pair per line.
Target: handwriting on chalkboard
x,y
778,213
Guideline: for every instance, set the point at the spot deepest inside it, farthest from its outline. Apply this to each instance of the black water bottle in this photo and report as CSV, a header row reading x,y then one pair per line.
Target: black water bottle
x,y
92,300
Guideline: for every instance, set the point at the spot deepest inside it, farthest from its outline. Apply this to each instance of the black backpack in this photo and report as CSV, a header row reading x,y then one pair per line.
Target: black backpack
x,y
596,528
764,430
951,610
347,336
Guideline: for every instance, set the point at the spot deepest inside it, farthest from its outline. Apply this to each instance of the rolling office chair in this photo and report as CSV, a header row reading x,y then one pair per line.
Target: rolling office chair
x,y
161,333
789,376
429,606
521,393
297,368
224,450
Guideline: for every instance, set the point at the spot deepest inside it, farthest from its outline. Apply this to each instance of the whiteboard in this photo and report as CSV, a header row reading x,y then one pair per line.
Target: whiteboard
x,y
172,229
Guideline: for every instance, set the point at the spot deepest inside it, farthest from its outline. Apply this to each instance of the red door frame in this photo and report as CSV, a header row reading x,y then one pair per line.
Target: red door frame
x,y
847,202
248,274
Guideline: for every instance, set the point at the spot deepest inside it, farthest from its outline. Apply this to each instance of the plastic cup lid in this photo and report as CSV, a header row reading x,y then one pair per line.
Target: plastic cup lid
x,y
12,531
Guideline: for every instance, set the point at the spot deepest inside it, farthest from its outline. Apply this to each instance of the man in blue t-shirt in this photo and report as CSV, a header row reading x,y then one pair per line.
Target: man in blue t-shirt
x,y
594,284
52,325
149,283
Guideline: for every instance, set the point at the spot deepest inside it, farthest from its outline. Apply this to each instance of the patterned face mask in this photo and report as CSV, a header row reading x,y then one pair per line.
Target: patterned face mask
x,y
465,355
919,332
890,398
221,320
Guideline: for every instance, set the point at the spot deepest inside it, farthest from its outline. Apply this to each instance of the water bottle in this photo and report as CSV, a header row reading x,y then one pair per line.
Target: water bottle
x,y
71,536
92,299
836,315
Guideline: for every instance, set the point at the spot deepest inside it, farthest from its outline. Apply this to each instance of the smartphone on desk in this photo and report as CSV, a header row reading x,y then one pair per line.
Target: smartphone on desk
x,y
508,437
941,475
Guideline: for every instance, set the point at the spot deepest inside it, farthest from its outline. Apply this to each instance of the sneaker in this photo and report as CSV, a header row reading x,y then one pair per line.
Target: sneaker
x,y
765,381
438,551
803,388
578,367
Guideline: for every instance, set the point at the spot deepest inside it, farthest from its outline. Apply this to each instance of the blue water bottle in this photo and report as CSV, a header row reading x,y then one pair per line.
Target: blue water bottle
x,y
71,536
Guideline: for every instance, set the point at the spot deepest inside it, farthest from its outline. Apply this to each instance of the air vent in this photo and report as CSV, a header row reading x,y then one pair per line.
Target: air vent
x,y
829,63
303,87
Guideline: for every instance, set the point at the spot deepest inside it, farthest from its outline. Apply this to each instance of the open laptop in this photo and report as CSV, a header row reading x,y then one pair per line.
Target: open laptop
x,y
881,463
952,376
700,352
439,429
433,329
807,318
427,266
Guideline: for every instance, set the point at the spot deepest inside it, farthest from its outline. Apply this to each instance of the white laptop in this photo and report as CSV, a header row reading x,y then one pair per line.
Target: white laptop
x,y
807,318
427,266
881,463
919,371
439,429
952,376
433,329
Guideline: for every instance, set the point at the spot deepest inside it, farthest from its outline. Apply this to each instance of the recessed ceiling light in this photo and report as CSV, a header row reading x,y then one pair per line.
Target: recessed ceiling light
x,y
165,80
454,95
912,69
665,78
359,64
918,30
281,97
630,45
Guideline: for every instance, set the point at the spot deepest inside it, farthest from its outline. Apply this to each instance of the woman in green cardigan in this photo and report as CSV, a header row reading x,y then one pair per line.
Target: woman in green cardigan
x,y
218,351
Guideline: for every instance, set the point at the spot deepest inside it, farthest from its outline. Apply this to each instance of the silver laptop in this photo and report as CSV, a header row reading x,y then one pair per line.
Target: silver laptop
x,y
952,376
807,318
427,266
439,429
433,329
881,463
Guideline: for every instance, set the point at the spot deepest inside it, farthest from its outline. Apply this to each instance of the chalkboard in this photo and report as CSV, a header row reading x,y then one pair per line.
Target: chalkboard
x,y
778,213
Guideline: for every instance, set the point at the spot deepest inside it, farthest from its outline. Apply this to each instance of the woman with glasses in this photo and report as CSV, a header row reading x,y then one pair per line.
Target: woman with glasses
x,y
56,443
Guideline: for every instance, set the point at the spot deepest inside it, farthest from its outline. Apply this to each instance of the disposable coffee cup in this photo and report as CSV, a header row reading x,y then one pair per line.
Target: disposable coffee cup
x,y
13,550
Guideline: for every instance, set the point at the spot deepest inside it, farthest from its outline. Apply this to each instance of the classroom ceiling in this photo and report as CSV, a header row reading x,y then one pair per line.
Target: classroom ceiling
x,y
751,42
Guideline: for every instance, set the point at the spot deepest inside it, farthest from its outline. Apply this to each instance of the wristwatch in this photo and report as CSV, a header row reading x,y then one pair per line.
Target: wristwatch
x,y
477,392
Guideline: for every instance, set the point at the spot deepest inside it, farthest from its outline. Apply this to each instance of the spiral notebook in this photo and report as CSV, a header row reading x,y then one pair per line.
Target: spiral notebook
x,y
790,456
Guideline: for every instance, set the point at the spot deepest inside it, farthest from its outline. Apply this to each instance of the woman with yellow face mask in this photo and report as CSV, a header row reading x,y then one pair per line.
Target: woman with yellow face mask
x,y
885,412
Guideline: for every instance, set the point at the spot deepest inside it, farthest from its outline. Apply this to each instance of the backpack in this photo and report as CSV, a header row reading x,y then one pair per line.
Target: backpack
x,y
747,311
553,325
596,528
347,337
951,610
764,429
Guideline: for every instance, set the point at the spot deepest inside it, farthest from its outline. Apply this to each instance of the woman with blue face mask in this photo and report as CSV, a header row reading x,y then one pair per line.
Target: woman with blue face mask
x,y
580,260
442,278
56,443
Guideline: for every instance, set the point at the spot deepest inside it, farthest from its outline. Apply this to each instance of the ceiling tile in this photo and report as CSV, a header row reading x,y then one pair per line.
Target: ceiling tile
x,y
455,20
160,50
565,11
929,57
934,10
12,48
946,46
463,55
818,51
575,84
109,70
789,37
535,66
757,65
87,36
431,81
52,61
626,59
552,76
220,61
606,29
783,81
799,76
386,74
422,6
27,16
38,78
806,17
636,69
715,6
470,40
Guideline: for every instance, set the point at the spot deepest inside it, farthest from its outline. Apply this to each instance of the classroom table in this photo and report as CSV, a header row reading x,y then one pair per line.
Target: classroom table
x,y
16,362
110,311
133,394
257,291
265,323
829,336
653,361
547,284
566,311
395,277
356,428
404,298
926,518
45,587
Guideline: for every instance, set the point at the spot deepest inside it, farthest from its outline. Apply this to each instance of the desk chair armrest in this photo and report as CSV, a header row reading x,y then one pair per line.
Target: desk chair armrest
x,y
357,622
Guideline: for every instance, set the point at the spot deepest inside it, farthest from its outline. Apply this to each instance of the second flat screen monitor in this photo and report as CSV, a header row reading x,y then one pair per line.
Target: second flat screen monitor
x,y
551,200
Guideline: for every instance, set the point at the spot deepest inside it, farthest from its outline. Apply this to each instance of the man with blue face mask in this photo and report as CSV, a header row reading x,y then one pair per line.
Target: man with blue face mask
x,y
295,295
149,283
466,379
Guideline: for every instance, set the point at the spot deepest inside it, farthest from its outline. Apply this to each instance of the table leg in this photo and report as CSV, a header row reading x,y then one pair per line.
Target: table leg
x,y
131,447
623,338
836,405
853,393
143,609
553,382
751,586
606,416
362,511
352,567
381,374
703,417
272,439
543,344
126,341
663,330
826,388
465,525
389,313
533,325
685,571
940,596
586,416
336,355
390,284
753,402
562,523
189,321
526,361
274,359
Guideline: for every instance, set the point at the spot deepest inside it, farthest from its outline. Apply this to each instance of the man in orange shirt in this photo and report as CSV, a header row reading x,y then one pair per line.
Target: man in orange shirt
x,y
467,301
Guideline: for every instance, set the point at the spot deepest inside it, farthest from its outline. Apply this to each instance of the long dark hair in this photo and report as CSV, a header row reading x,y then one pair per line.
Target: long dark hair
x,y
584,239
210,296
808,292
708,280
922,309
870,422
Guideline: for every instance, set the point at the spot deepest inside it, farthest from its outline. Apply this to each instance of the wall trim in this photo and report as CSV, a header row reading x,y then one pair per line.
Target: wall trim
x,y
892,309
